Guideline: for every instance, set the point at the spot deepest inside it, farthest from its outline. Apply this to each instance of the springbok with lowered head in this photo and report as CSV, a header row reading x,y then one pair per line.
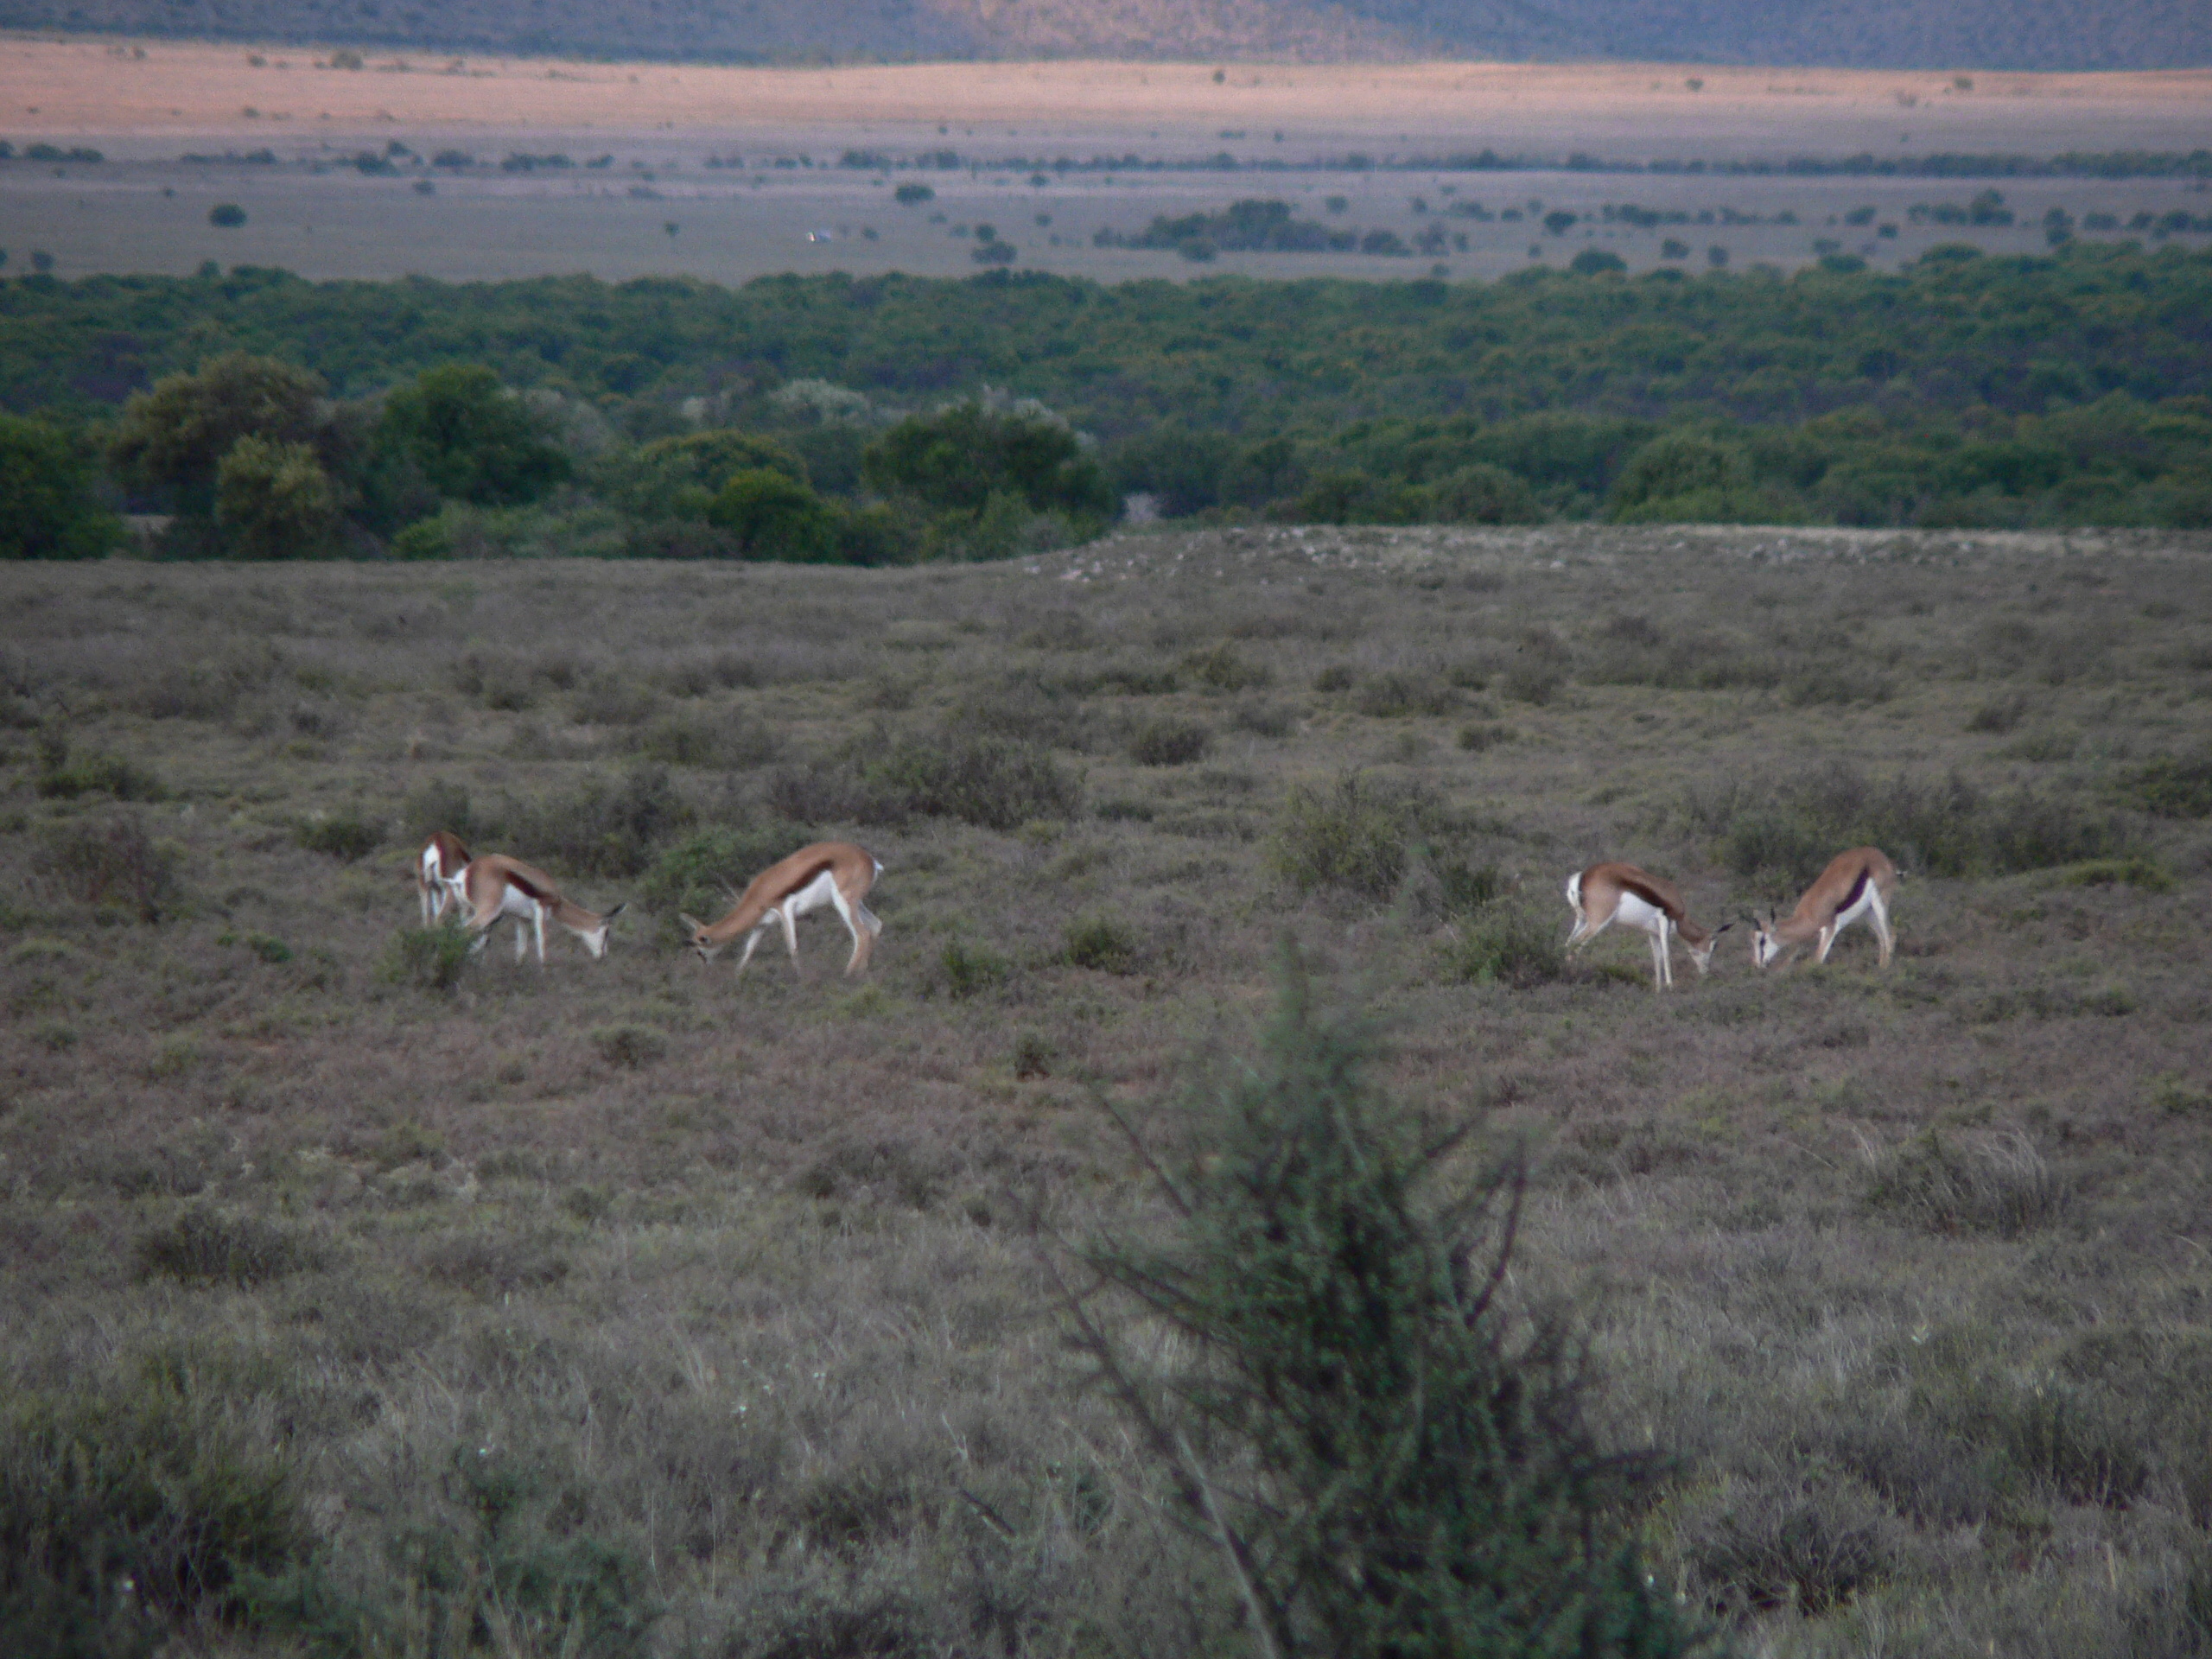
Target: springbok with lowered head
x,y
835,873
1605,893
496,887
437,873
1855,884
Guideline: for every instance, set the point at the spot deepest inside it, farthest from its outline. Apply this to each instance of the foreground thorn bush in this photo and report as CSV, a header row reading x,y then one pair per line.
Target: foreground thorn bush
x,y
426,959
1383,1454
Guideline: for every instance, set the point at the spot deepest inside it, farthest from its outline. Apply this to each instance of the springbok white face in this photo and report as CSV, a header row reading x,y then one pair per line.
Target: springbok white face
x,y
1764,946
594,939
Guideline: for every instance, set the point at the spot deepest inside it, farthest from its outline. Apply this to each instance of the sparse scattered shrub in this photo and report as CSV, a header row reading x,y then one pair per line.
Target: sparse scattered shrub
x,y
1220,668
999,786
1808,1549
1033,1055
203,1246
345,833
734,743
1264,718
1164,740
115,863
1539,669
1338,677
1484,735
427,958
1098,942
1395,694
1999,714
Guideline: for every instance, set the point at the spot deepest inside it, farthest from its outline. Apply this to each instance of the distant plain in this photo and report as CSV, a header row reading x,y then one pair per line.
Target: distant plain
x,y
730,174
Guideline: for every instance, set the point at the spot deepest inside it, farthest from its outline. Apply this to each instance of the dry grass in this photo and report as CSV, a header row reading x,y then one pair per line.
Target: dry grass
x,y
625,1304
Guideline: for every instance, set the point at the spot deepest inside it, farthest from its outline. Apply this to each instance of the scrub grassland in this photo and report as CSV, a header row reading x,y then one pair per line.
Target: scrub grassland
x,y
364,1297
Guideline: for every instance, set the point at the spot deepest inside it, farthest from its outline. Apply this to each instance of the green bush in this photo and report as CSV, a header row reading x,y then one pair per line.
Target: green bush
x,y
427,958
1507,945
1165,740
968,970
1352,834
1100,942
470,437
769,516
345,833
2174,787
608,827
50,501
998,786
64,777
113,864
129,1508
1484,494
1385,1454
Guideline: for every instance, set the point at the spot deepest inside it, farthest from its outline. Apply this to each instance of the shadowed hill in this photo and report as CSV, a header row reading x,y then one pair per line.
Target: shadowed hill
x,y
1871,34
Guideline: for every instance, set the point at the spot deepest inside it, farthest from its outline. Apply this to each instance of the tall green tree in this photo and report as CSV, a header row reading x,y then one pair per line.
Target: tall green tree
x,y
1386,1458
956,459
470,437
172,439
771,515
49,504
275,501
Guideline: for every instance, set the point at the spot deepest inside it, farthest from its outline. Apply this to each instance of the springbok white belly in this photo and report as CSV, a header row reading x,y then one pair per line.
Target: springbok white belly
x,y
1632,911
822,890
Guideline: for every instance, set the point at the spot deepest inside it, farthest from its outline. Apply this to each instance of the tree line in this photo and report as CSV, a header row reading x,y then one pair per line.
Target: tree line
x,y
892,418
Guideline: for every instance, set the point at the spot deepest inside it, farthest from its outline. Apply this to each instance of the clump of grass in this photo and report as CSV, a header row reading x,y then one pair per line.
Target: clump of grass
x,y
1806,1549
203,1246
427,958
632,1047
2000,1186
1033,1055
1264,718
1397,692
114,864
1100,943
1999,715
1482,736
345,833
966,970
1338,677
1506,944
1165,740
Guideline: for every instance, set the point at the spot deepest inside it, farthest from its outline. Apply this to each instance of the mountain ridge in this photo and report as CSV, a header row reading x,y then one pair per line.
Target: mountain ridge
x,y
1899,34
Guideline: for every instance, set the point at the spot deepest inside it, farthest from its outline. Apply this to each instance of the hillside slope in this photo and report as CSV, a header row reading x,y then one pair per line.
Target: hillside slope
x,y
1880,34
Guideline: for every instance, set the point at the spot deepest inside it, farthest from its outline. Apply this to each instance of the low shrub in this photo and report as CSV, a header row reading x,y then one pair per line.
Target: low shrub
x,y
966,970
427,958
999,786
203,1246
62,776
1099,942
1220,668
1398,693
608,827
700,872
1354,835
1264,718
113,864
1805,1548
1165,740
1539,667
2174,787
345,833
1506,945
734,743
632,1047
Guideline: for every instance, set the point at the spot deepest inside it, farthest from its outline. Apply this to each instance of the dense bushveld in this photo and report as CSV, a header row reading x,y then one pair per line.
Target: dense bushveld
x,y
1966,390
363,1297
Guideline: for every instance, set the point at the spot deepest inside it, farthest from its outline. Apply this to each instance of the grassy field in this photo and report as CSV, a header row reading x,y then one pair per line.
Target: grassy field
x,y
730,174
419,1305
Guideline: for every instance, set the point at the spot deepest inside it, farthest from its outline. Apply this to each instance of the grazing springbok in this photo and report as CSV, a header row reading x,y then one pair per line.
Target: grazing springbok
x,y
1857,883
833,873
437,873
496,885
1605,893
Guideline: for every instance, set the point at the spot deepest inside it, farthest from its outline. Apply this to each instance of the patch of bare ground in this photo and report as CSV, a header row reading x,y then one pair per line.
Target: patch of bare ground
x,y
657,1311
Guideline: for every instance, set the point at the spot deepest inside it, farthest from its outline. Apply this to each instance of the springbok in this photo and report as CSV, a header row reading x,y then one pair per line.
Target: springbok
x,y
495,885
437,873
1605,893
1857,883
833,873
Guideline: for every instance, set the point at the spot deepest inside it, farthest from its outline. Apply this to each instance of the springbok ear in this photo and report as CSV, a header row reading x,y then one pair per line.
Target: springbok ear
x,y
1723,928
691,922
